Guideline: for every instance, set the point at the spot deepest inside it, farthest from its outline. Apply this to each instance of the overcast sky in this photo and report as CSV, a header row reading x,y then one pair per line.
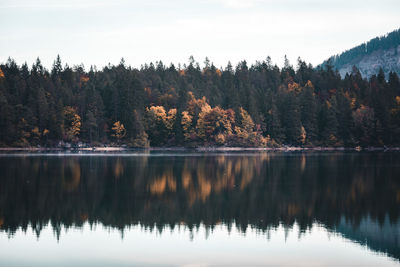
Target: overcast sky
x,y
96,32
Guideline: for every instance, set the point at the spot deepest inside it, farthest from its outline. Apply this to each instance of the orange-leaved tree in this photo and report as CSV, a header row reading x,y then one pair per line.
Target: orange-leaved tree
x,y
119,131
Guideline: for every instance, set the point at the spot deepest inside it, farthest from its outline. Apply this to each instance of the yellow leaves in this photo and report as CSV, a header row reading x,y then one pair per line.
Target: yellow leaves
x,y
186,119
35,134
170,119
303,135
200,122
182,72
160,124
247,133
1,74
309,84
195,106
246,120
328,104
218,72
72,122
396,110
206,107
265,140
218,125
35,131
214,121
220,139
186,122
294,87
119,130
76,124
398,100
84,79
45,132
159,114
241,133
353,103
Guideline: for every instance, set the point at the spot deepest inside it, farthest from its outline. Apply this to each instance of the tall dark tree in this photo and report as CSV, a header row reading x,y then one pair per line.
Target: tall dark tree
x,y
287,106
309,112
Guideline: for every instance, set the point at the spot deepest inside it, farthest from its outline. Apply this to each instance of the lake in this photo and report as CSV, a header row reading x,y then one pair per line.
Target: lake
x,y
200,209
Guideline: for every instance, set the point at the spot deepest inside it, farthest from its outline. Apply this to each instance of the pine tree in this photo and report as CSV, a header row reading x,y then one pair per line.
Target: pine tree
x,y
345,119
291,118
309,112
328,123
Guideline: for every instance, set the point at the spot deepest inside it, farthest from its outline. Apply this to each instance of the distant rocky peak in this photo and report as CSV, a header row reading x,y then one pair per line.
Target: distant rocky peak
x,y
380,52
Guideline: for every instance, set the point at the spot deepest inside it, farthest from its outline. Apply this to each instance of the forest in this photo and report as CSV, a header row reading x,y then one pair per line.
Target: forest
x,y
391,40
164,193
258,105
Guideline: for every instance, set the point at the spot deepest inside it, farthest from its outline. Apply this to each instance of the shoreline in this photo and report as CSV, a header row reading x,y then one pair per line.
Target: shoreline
x,y
193,149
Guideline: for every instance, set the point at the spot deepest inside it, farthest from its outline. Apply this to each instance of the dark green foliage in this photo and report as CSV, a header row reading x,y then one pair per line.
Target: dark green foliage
x,y
309,113
391,40
290,117
344,119
328,123
303,106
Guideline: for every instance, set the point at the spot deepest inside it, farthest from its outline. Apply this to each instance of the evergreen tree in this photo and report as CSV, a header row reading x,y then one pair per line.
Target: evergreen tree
x,y
305,106
291,118
328,122
309,112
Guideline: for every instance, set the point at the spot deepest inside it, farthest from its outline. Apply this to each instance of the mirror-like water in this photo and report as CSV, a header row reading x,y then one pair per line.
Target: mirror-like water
x,y
263,209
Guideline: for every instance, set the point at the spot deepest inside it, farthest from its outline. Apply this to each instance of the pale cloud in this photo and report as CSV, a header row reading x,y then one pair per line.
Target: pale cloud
x,y
238,3
98,32
48,4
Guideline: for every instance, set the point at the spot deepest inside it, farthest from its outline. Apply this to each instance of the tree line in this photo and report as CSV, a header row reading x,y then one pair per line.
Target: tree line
x,y
163,193
189,105
390,40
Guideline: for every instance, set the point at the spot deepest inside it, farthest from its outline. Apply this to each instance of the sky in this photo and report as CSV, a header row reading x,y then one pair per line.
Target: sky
x,y
98,32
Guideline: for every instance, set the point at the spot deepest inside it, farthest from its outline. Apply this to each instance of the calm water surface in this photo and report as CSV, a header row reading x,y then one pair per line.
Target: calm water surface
x,y
200,209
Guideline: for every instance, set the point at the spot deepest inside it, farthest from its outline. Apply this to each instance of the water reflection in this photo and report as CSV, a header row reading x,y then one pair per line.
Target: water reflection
x,y
356,195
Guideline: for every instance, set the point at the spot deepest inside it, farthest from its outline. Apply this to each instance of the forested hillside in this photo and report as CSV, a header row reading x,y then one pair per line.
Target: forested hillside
x,y
380,52
158,105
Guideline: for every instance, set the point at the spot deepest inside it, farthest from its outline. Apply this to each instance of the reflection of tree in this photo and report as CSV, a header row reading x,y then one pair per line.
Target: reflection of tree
x,y
260,190
215,174
70,174
165,181
118,168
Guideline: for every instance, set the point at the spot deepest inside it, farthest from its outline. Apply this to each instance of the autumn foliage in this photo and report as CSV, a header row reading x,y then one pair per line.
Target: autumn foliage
x,y
72,123
157,105
119,131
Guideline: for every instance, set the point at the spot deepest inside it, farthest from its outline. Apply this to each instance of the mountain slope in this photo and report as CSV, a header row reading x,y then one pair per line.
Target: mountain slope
x,y
380,52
